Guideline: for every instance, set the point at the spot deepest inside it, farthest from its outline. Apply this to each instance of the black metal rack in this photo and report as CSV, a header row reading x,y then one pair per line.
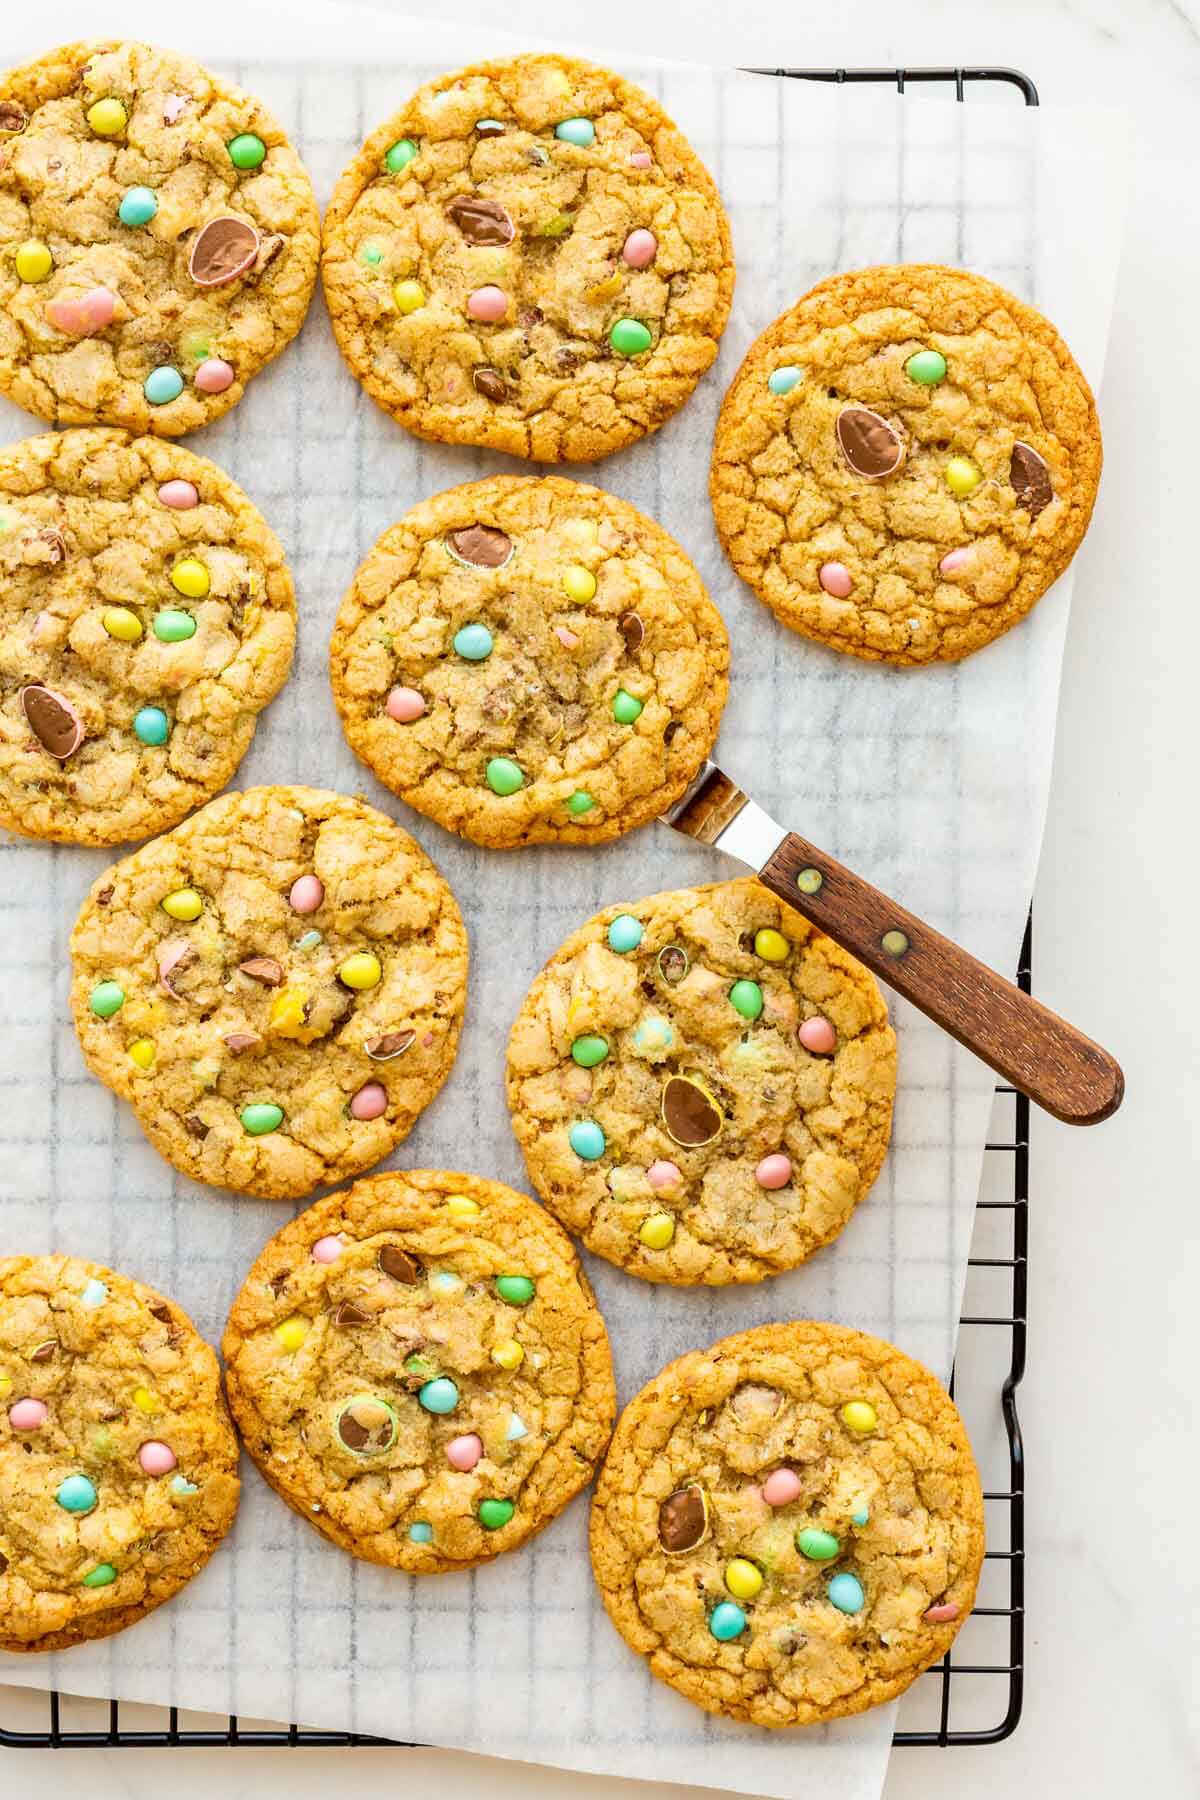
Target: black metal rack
x,y
1004,1677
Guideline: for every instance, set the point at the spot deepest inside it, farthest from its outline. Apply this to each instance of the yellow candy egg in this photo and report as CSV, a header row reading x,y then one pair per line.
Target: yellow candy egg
x,y
288,1016
144,1400
184,904
408,295
5,1386
578,583
361,971
508,1354
657,1231
121,624
33,261
771,945
859,1415
142,1053
292,1332
743,1578
461,1206
962,477
190,577
107,118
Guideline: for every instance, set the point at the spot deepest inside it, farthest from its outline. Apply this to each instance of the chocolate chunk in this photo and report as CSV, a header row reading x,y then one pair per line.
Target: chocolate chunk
x,y
173,957
196,1126
349,1314
529,316
683,1520
264,969
237,1041
268,250
54,722
688,1113
391,1044
105,895
754,1403
352,1434
481,221
486,128
3,1562
671,731
490,383
567,359
223,250
1030,478
399,1265
44,1352
366,1425
160,1310
55,543
481,546
673,964
278,1282
869,444
12,116
633,631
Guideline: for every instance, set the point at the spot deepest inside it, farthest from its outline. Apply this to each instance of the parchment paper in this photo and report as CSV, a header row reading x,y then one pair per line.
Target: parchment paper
x,y
933,783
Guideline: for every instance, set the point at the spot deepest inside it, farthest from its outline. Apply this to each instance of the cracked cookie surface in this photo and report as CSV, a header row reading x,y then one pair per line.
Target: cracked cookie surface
x,y
118,1464
159,238
702,1085
789,1525
276,987
141,587
418,1366
905,462
528,256
529,660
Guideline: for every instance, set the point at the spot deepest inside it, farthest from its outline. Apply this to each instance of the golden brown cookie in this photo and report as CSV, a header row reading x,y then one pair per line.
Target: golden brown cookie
x,y
276,987
147,616
118,1464
789,1526
529,255
905,462
158,238
418,1366
528,660
702,1085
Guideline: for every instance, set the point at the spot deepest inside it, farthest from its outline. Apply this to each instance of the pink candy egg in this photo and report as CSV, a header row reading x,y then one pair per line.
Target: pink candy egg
x,y
156,1458
214,376
942,1614
953,561
405,704
488,304
566,637
818,1036
781,1487
639,159
774,1171
464,1452
327,1249
179,495
28,1415
306,893
369,1101
834,577
663,1175
641,247
86,313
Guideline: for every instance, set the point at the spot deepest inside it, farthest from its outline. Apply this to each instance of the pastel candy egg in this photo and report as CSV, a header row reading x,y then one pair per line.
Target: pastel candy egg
x,y
771,945
580,802
517,1290
953,562
774,1171
151,726
743,1578
578,583
504,776
640,159
122,624
962,476
495,1513
106,998
138,206
488,304
261,1119
180,496
156,1457
861,1517
399,156
626,707
327,1249
942,1613
834,577
306,894
845,1592
28,1415
625,933
781,1487
782,381
657,1231
408,295
746,998
473,643
464,1452
162,385
405,704
33,261
589,1050
580,132
103,1575
94,1293
76,1494
629,337
360,971
663,1175
246,151
291,1333
108,117
818,1035
145,1400
439,1395
586,1139
859,1415
83,314
420,1532
214,375
817,1546
190,578
640,248
370,1102
726,1621
926,366
508,1354
184,904
181,1485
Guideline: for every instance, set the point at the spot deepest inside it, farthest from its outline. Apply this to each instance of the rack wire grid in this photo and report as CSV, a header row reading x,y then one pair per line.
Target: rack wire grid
x,y
1001,1229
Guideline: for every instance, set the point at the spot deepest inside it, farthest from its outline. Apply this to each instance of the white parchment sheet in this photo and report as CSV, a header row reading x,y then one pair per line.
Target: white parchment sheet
x,y
931,782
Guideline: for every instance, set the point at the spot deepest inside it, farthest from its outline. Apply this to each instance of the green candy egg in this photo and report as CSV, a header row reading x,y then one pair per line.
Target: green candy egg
x,y
818,1546
589,1050
518,1290
260,1118
495,1513
103,1575
171,626
746,997
580,802
246,151
106,998
629,337
399,156
626,707
926,366
504,776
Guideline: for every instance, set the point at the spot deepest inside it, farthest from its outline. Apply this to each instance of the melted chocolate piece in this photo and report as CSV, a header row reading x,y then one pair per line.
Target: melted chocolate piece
x,y
483,546
671,732
44,1352
390,1045
224,249
105,895
633,631
366,1425
349,1314
12,116
683,1520
399,1265
264,969
196,1126
55,543
481,221
689,1114
673,964
490,383
1030,478
869,444
237,1041
53,721
160,1310
278,1282
489,128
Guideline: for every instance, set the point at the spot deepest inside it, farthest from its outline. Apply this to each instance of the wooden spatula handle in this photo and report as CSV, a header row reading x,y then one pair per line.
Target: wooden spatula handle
x,y
1025,1043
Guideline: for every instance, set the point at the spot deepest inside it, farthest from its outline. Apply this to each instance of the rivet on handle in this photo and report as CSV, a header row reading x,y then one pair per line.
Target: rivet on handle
x,y
894,942
810,881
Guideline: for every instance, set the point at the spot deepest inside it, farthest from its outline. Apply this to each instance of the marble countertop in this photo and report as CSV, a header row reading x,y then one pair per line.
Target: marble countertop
x,y
1112,1700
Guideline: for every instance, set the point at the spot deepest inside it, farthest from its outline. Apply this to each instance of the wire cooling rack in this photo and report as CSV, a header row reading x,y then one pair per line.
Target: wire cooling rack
x,y
956,1702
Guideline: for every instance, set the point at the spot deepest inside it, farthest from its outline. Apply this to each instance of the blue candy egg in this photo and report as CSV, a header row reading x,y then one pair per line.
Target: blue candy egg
x,y
625,933
580,132
726,1621
586,1139
473,643
76,1494
138,206
438,1396
845,1592
151,725
782,381
420,1533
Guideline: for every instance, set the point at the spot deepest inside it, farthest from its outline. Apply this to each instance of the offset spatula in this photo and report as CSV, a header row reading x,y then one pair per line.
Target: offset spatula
x,y
1029,1046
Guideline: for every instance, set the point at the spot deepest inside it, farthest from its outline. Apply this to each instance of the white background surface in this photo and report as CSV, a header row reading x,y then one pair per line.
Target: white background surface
x,y
1108,1405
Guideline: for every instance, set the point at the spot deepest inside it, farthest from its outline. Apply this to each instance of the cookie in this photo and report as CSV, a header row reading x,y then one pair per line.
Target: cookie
x,y
146,618
530,661
789,1526
118,1464
276,987
702,1085
418,1366
158,239
529,256
905,462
